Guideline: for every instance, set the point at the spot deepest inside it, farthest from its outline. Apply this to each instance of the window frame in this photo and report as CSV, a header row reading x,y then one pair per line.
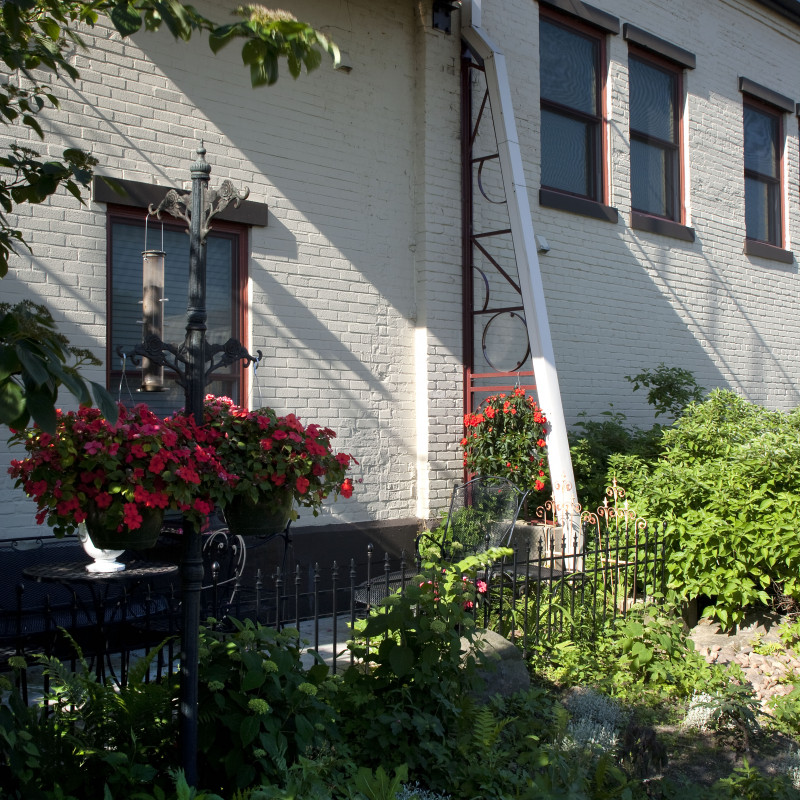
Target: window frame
x,y
239,296
777,226
562,198
676,148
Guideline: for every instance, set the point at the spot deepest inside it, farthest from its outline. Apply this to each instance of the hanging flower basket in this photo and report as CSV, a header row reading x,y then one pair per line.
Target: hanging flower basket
x,y
266,517
105,535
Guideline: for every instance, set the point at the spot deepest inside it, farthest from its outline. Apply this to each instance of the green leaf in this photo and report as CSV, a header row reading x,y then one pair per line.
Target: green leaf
x,y
221,36
9,363
12,403
126,18
105,402
401,660
41,405
33,368
248,730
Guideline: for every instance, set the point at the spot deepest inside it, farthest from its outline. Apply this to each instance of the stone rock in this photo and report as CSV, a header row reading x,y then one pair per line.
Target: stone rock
x,y
500,665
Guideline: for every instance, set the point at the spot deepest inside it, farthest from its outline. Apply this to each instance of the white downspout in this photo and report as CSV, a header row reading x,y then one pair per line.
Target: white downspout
x,y
533,300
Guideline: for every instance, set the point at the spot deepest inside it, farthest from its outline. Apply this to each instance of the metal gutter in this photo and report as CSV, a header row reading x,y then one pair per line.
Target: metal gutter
x,y
522,234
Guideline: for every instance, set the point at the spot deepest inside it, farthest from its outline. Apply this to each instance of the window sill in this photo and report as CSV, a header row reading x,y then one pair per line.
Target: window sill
x,y
664,227
577,205
770,251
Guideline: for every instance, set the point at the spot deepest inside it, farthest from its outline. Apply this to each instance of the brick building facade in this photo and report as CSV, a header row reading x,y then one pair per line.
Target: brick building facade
x,y
353,290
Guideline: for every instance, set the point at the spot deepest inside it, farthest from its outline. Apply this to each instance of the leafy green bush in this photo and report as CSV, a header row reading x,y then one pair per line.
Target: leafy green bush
x,y
402,702
645,657
88,739
594,442
260,710
728,485
672,389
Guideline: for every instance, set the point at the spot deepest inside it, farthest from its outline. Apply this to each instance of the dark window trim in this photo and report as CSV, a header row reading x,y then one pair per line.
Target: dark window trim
x,y
120,212
588,14
660,47
141,195
780,101
661,226
599,177
550,198
675,147
752,247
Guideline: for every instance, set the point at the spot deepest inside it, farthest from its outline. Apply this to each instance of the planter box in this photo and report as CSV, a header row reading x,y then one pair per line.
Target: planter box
x,y
527,537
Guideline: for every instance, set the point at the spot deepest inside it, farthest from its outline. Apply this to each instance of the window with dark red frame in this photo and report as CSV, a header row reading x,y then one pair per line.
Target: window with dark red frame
x,y
655,101
570,72
226,247
763,138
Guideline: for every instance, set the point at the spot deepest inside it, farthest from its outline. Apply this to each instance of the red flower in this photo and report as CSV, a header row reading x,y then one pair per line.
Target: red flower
x,y
103,500
347,488
132,518
302,484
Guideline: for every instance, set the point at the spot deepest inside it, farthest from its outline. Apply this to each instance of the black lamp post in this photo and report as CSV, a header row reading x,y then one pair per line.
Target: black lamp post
x,y
193,362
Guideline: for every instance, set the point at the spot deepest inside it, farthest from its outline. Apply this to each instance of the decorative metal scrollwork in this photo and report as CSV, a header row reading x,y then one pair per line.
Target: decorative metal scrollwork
x,y
230,352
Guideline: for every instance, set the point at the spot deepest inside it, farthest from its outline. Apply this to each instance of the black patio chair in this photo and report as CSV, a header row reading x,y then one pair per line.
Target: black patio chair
x,y
482,515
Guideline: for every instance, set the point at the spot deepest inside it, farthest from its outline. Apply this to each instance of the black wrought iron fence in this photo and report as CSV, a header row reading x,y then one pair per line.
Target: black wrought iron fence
x,y
555,582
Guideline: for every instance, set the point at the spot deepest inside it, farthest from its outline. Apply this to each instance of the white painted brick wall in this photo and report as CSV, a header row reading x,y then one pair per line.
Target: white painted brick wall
x,y
356,283
619,299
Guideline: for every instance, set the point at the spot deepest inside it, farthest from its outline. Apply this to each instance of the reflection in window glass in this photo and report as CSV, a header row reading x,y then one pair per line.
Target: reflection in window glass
x,y
762,132
127,244
655,167
569,70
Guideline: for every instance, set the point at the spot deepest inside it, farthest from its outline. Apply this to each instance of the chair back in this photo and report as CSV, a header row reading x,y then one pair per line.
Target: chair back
x,y
224,556
483,512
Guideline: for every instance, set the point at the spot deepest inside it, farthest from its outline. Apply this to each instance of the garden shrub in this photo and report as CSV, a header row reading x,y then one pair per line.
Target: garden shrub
x,y
260,710
91,739
645,657
728,485
402,703
594,442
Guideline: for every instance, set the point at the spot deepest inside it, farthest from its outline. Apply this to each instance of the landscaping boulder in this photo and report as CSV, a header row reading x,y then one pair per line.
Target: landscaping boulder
x,y
500,665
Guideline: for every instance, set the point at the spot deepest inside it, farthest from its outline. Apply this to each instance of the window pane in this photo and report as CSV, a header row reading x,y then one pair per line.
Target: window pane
x,y
760,142
761,210
568,67
651,186
127,243
652,100
566,154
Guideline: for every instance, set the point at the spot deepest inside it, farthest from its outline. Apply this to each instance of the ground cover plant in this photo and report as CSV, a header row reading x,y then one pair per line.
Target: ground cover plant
x,y
405,721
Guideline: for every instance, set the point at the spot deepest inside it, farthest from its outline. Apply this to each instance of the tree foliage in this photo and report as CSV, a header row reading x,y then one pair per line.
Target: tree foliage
x,y
35,360
35,39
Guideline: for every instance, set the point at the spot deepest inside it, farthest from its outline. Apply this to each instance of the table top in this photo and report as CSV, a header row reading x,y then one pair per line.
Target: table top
x,y
76,571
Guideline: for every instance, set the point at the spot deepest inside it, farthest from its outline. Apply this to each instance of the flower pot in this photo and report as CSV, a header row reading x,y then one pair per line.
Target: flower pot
x,y
106,538
263,518
104,560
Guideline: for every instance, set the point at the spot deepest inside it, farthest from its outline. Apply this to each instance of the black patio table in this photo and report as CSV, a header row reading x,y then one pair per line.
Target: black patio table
x,y
100,584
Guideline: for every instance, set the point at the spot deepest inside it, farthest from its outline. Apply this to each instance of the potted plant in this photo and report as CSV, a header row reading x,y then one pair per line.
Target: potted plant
x,y
117,479
276,463
506,438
